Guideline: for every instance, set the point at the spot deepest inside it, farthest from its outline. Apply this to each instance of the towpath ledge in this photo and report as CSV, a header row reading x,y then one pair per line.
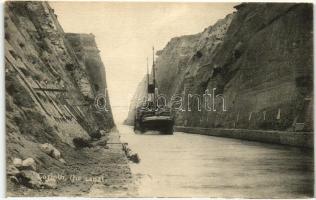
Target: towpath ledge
x,y
297,139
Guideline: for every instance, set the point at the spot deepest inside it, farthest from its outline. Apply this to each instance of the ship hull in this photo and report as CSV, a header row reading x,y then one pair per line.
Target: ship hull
x,y
164,125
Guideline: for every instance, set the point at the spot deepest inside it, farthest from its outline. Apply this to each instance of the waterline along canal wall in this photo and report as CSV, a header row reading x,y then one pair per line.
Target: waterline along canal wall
x,y
297,139
260,61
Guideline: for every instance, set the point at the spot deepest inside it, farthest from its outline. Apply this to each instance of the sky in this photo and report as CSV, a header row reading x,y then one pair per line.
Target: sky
x,y
125,33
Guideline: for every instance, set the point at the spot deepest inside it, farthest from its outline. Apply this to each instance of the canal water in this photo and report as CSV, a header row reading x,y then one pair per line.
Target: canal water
x,y
185,165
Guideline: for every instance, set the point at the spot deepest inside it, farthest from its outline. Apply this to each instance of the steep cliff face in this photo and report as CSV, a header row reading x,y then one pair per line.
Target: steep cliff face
x,y
260,61
87,53
136,101
184,56
179,58
50,93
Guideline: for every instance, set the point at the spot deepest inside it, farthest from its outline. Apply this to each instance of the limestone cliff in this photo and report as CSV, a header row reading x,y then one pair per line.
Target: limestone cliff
x,y
177,58
50,89
87,53
260,61
136,101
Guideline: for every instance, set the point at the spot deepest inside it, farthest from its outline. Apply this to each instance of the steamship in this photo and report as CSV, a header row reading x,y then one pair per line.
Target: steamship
x,y
149,116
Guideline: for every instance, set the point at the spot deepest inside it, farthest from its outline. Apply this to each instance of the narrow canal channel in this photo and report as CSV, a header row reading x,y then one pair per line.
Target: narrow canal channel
x,y
184,165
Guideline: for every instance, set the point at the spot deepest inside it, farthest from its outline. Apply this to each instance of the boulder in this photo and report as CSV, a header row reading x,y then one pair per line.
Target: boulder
x,y
103,132
29,163
96,135
17,162
50,183
47,148
81,142
50,150
12,170
102,142
30,179
134,158
56,154
130,154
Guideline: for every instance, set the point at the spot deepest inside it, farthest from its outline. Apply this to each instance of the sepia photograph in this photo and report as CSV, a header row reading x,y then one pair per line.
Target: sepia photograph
x,y
159,99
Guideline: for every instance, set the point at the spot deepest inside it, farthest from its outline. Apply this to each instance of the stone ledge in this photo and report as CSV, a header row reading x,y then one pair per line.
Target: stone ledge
x,y
297,139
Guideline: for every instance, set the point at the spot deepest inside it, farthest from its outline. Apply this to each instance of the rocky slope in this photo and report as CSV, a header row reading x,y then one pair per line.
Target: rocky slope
x,y
260,61
52,81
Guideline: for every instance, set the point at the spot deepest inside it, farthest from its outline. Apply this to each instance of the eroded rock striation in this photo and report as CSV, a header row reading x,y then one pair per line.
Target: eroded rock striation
x,y
259,59
86,51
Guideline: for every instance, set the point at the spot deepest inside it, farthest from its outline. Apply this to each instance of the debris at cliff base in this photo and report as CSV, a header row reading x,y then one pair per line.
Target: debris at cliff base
x,y
30,179
96,135
79,174
17,162
51,151
50,183
12,170
29,163
132,156
81,143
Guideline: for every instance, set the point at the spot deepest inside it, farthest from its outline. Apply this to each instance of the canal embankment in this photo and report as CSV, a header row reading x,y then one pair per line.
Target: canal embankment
x,y
297,139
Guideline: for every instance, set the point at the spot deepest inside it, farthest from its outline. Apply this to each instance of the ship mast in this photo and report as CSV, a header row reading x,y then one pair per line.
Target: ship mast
x,y
147,79
154,77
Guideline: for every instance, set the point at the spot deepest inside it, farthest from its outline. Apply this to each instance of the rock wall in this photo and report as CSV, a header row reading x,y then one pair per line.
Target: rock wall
x,y
259,59
177,58
136,100
88,55
50,89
